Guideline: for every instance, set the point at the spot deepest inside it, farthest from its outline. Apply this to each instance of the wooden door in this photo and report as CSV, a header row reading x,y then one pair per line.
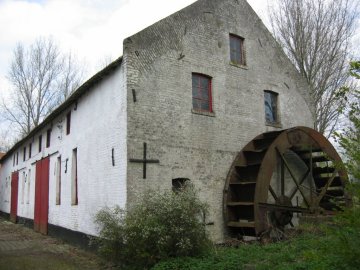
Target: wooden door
x,y
41,209
14,196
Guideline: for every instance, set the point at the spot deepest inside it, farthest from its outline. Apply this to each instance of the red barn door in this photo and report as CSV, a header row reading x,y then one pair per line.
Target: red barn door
x,y
14,196
41,196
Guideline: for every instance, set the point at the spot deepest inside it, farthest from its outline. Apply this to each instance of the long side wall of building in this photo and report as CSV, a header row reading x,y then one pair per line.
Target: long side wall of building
x,y
98,133
160,62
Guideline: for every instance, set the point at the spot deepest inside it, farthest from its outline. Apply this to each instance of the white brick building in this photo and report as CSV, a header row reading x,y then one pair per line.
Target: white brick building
x,y
191,86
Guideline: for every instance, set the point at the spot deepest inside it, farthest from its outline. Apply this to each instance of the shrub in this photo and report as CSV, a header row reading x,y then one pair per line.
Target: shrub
x,y
161,225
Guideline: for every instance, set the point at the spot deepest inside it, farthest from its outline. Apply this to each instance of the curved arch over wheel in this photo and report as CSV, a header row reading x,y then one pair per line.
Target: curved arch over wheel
x,y
281,173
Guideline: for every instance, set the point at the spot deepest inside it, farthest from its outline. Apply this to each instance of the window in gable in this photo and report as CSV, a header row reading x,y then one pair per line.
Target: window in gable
x,y
24,154
237,51
201,93
271,107
68,123
48,137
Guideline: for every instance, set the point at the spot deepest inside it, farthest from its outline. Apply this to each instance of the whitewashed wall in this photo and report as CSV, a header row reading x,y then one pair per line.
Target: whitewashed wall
x,y
98,125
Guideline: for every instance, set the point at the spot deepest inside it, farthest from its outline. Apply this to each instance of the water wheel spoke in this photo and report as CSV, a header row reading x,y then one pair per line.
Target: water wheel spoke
x,y
273,193
325,188
292,194
293,177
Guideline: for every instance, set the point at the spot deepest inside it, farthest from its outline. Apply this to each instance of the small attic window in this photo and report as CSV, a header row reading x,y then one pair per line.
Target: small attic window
x,y
24,154
68,123
30,149
271,107
40,143
48,137
237,50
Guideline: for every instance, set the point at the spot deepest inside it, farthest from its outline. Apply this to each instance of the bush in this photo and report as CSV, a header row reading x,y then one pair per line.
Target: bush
x,y
161,225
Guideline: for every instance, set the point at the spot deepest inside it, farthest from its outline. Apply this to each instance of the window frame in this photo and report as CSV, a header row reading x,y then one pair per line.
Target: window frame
x,y
74,178
40,143
241,53
48,138
209,93
30,149
68,123
58,182
276,121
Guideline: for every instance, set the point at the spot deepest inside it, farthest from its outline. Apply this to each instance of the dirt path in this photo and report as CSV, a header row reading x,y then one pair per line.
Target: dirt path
x,y
22,248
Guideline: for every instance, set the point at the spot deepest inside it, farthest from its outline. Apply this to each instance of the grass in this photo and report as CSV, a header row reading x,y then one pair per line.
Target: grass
x,y
308,251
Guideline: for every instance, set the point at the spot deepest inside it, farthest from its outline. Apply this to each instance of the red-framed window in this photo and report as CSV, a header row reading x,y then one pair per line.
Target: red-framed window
x,y
237,51
201,92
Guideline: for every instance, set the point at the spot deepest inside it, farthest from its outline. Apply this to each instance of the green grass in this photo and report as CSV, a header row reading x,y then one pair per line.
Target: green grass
x,y
310,251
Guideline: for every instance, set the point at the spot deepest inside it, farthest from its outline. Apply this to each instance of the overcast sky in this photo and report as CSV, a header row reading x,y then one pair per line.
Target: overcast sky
x,y
93,30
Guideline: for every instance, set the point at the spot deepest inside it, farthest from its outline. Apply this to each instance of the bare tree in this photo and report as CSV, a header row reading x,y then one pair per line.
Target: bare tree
x,y
42,78
315,34
5,142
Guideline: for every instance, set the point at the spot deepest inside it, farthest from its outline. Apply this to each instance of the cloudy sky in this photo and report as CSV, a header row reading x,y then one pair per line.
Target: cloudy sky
x,y
93,30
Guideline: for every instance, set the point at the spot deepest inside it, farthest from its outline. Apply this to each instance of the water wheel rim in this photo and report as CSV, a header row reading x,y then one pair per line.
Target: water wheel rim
x,y
282,141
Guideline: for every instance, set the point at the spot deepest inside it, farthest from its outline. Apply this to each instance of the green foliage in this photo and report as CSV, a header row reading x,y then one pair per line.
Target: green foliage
x,y
300,253
349,138
161,225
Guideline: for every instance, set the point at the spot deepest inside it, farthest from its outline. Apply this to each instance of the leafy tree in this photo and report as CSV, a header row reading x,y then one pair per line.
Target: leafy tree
x,y
316,35
346,234
349,138
41,78
161,225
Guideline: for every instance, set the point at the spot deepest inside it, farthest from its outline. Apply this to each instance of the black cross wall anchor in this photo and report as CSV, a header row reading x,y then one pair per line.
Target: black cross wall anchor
x,y
144,161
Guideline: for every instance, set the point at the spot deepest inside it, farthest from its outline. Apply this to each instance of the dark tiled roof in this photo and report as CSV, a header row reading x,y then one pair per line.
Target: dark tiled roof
x,y
84,88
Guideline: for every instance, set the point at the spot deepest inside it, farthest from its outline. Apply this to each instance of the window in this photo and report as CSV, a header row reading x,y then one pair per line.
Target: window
x,y
40,143
23,187
68,123
48,138
24,154
237,52
179,184
28,187
201,93
30,148
17,158
74,179
271,107
58,181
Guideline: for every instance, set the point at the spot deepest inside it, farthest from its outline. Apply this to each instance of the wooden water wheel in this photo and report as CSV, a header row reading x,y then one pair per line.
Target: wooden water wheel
x,y
280,176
